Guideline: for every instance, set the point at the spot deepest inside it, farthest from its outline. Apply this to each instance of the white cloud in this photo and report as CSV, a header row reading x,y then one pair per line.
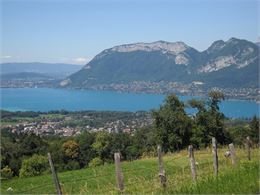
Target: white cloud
x,y
5,57
80,60
75,60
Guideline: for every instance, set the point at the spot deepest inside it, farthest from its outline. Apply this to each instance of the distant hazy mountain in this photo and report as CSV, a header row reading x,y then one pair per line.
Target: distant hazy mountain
x,y
44,69
234,63
24,76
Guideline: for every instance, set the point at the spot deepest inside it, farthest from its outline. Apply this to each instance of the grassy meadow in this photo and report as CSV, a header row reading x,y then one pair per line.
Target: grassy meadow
x,y
141,176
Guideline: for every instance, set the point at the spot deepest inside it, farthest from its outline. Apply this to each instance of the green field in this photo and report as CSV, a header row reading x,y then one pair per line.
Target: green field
x,y
141,176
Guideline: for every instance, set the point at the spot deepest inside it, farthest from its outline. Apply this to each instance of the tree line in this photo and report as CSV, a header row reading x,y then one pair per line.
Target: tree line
x,y
24,155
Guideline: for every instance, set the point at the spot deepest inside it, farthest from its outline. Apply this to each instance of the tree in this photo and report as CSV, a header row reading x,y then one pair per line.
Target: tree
x,y
215,117
33,144
119,143
200,135
56,150
238,133
132,152
85,140
254,130
71,149
144,140
11,151
209,121
102,145
215,97
198,104
173,124
34,166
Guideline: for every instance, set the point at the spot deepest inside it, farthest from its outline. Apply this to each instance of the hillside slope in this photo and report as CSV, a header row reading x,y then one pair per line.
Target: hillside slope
x,y
141,176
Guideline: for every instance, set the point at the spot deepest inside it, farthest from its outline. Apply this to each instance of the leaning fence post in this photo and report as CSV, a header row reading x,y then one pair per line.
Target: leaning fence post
x,y
54,176
248,146
233,154
119,174
192,163
215,155
162,175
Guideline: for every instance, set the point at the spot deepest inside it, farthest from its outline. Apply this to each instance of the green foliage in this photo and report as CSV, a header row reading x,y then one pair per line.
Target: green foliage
x,y
215,97
10,152
132,152
199,137
15,147
6,173
238,133
95,162
102,145
33,144
172,128
173,124
34,166
254,129
209,121
71,165
55,149
85,141
119,143
144,140
7,114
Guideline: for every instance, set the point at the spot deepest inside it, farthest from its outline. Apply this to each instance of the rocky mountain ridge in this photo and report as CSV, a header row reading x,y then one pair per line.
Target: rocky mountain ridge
x,y
233,63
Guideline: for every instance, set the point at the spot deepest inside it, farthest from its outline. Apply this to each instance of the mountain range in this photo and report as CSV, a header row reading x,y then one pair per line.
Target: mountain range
x,y
37,70
228,64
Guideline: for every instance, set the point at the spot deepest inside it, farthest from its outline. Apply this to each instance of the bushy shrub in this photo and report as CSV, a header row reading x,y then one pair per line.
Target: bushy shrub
x,y
95,162
34,166
72,165
71,149
6,173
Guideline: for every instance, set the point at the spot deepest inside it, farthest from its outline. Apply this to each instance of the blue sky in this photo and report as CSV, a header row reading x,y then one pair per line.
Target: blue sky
x,y
74,31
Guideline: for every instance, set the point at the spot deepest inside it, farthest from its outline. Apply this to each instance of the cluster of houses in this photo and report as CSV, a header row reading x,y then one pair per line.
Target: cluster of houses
x,y
44,128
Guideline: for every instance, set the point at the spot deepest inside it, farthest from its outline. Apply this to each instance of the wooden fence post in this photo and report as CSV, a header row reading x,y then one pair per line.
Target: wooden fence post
x,y
162,175
248,147
119,174
233,154
215,155
192,163
54,176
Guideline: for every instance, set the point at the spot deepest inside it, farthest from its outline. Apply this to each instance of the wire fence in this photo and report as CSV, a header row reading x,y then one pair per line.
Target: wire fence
x,y
133,177
126,172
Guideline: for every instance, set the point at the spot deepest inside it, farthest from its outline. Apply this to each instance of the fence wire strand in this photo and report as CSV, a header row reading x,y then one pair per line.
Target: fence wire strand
x,y
125,171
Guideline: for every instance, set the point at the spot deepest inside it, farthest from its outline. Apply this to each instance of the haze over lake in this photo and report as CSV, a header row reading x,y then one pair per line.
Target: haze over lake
x,y
46,99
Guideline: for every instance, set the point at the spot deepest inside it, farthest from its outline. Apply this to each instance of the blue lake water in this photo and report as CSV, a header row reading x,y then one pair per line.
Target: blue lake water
x,y
46,99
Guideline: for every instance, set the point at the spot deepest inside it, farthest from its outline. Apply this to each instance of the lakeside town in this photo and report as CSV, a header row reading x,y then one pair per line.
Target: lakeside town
x,y
195,88
74,123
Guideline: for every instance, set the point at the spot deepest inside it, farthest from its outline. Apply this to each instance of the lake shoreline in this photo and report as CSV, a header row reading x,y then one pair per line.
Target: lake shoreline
x,y
229,98
47,99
